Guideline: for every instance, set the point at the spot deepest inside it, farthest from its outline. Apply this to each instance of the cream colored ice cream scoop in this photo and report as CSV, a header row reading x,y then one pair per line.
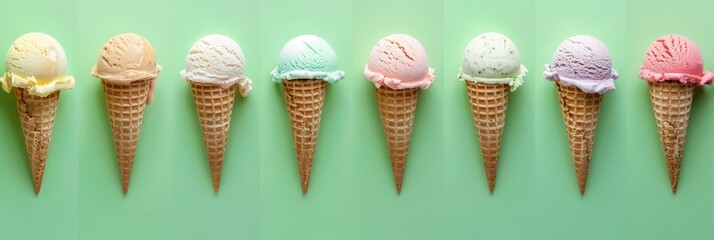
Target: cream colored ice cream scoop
x,y
217,59
36,62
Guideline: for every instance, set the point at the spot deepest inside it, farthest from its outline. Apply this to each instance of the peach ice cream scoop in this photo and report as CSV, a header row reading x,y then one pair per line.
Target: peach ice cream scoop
x,y
399,61
126,58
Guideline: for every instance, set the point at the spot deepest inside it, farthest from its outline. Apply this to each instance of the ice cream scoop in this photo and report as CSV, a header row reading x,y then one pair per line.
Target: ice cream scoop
x,y
674,58
399,61
583,61
492,58
307,57
217,59
126,58
36,62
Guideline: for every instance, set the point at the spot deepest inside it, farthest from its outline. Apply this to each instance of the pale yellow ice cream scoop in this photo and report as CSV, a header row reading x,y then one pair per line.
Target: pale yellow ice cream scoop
x,y
126,58
36,62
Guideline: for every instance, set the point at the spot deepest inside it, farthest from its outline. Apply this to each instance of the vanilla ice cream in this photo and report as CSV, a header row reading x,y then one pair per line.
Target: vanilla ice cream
x,y
36,62
217,59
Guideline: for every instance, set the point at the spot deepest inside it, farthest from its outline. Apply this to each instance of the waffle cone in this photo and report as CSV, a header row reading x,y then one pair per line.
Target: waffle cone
x,y
580,112
488,106
672,102
37,115
397,107
125,105
214,104
305,99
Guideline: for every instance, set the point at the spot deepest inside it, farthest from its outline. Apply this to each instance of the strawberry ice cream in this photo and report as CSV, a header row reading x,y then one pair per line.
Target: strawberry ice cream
x,y
674,58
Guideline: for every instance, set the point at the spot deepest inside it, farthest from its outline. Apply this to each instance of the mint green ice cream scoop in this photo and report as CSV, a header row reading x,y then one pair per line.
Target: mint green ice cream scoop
x,y
307,57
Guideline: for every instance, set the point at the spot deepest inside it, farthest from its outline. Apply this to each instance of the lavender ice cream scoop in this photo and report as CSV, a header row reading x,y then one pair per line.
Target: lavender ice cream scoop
x,y
583,61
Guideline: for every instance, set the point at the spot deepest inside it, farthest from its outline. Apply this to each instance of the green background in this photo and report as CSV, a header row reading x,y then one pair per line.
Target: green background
x,y
55,212
602,212
352,193
324,213
379,212
688,214
470,206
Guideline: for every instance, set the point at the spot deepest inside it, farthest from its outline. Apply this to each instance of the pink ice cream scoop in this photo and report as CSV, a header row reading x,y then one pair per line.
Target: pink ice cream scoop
x,y
399,61
674,58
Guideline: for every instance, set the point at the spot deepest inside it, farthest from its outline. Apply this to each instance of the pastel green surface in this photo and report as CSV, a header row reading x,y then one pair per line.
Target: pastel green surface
x,y
56,209
170,195
470,207
325,212
601,212
649,198
418,212
352,193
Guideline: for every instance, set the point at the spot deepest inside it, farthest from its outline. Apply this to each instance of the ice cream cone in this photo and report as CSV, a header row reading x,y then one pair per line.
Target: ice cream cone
x,y
488,106
397,107
580,112
305,99
672,102
125,105
37,115
214,104
36,69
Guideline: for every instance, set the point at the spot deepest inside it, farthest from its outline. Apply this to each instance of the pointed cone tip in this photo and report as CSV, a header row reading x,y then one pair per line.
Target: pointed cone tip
x,y
216,182
398,182
125,181
582,181
674,179
304,186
